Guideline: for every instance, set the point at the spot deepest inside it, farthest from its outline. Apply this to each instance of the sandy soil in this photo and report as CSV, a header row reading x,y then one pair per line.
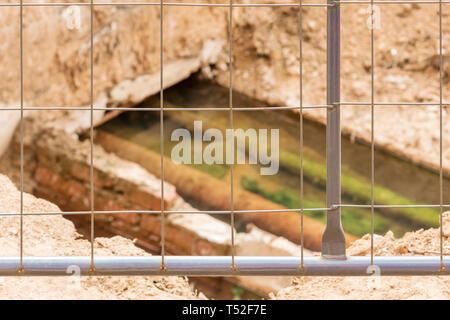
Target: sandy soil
x,y
56,236
406,68
421,242
266,61
266,68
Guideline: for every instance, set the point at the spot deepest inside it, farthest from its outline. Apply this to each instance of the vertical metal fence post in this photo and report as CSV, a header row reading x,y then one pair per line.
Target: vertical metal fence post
x,y
333,239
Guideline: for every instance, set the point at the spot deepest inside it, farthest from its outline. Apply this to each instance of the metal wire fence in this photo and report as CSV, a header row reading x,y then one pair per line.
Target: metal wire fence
x,y
333,260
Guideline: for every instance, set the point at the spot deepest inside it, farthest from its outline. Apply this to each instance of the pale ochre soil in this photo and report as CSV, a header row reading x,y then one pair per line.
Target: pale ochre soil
x,y
56,236
421,242
266,61
406,69
266,67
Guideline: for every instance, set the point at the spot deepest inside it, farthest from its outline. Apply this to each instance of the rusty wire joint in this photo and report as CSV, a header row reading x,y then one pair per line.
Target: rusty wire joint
x,y
92,270
21,269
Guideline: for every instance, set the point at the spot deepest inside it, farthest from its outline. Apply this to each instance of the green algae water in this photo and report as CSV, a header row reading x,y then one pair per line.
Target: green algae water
x,y
397,182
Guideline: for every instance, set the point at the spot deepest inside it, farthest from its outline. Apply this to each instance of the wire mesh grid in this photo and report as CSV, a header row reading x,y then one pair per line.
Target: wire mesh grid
x,y
290,265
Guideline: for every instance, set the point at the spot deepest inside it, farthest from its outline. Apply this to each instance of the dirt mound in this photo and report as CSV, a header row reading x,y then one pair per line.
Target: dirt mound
x,y
266,62
56,236
421,242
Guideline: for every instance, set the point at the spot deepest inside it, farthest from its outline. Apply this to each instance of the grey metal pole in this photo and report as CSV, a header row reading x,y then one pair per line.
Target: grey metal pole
x,y
220,266
333,239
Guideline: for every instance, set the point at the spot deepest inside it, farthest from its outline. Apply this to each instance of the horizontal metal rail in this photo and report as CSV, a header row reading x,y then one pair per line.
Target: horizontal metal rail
x,y
165,108
166,4
220,266
319,106
392,206
218,5
212,212
219,212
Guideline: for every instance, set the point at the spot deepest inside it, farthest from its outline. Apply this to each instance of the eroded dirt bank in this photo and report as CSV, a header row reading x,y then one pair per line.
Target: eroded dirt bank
x,y
56,236
421,242
57,169
266,67
266,62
